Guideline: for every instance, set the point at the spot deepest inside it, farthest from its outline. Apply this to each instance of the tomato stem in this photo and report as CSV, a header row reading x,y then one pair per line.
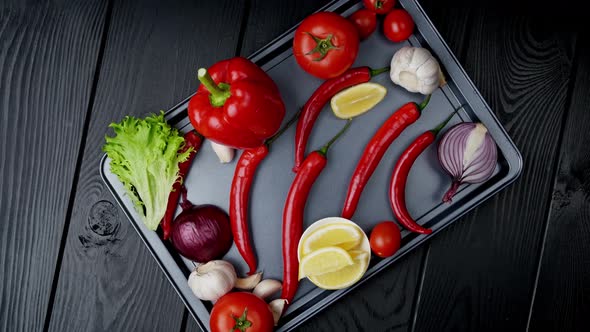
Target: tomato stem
x,y
323,46
218,92
324,149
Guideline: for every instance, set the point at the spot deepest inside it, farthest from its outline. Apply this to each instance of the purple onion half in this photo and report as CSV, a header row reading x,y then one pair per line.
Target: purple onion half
x,y
468,154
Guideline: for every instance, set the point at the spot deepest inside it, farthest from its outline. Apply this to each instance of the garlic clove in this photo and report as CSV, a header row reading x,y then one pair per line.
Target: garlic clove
x,y
224,153
266,288
277,307
249,282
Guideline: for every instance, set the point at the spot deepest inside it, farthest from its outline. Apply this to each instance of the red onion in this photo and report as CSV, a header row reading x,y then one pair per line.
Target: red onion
x,y
468,153
201,233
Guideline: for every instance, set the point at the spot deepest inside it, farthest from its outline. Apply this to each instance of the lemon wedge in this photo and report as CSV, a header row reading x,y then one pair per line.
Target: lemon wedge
x,y
324,260
357,100
345,236
345,277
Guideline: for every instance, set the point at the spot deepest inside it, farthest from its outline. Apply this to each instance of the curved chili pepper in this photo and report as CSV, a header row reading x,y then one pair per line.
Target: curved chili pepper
x,y
239,198
192,139
375,149
318,100
293,214
397,187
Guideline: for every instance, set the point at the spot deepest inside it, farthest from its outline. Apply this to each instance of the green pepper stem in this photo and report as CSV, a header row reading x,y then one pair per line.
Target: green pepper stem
x,y
218,92
375,72
423,104
438,128
324,149
274,137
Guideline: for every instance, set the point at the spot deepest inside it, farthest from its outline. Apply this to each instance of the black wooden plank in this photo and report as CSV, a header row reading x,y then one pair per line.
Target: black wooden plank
x,y
479,274
48,56
108,279
561,298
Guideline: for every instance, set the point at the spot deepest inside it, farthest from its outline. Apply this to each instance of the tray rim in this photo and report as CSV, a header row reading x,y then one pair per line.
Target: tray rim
x,y
514,165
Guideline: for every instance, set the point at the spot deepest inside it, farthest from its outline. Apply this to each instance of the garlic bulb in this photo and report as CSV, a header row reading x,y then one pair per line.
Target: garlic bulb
x,y
416,70
212,280
224,153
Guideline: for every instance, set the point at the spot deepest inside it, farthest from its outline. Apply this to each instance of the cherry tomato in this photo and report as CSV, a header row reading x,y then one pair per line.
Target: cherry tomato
x,y
385,239
241,312
325,44
379,6
365,22
398,25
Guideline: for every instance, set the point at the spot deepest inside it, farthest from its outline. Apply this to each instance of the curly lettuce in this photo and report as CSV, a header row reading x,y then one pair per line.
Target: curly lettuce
x,y
145,155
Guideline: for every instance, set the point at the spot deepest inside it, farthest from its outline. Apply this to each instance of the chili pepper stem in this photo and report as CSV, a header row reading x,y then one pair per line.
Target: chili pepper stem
x,y
424,103
375,72
324,149
291,121
438,128
218,92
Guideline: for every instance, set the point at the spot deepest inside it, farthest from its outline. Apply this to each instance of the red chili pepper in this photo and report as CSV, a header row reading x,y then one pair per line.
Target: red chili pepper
x,y
375,149
192,139
397,188
237,104
240,196
293,214
318,100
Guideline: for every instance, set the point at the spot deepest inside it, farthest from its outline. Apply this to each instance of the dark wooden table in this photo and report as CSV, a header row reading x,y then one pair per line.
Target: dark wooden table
x,y
70,261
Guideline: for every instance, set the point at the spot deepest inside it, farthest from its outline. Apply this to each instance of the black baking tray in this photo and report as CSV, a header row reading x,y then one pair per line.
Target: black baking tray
x,y
209,182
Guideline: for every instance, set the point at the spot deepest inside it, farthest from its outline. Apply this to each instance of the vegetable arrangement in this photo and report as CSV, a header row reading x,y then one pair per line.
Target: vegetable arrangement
x,y
238,106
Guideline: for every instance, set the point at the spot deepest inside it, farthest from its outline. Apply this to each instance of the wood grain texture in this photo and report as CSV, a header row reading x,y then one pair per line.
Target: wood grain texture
x,y
108,279
563,288
479,274
48,54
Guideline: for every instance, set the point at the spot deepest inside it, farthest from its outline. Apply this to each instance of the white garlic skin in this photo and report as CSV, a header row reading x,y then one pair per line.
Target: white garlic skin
x,y
416,70
224,153
212,280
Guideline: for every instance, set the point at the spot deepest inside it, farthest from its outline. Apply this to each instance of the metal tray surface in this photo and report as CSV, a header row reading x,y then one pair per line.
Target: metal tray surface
x,y
209,182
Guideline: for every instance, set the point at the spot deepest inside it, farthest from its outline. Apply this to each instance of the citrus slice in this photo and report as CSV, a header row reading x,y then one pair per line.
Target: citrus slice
x,y
344,277
357,100
345,236
324,260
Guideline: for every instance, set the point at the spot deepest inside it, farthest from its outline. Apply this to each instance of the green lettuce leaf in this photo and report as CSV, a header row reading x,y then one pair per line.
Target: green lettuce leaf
x,y
144,156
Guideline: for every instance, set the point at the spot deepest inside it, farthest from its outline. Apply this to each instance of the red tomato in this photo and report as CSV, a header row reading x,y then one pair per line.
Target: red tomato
x,y
385,239
398,25
241,312
365,22
325,44
379,6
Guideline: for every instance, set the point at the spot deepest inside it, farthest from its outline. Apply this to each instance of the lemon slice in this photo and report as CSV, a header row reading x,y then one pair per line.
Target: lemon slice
x,y
345,236
344,277
324,260
357,100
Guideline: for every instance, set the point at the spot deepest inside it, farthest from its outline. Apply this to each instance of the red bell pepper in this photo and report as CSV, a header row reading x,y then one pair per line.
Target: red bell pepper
x,y
237,104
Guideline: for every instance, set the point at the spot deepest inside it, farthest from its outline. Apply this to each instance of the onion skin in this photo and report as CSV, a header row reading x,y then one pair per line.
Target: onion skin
x,y
202,233
468,153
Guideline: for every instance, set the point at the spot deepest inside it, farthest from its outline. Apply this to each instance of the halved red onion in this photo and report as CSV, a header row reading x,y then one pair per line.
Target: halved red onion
x,y
468,153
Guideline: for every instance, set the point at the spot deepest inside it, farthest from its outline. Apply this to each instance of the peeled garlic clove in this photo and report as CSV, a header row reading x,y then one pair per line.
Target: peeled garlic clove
x,y
266,288
277,307
224,153
249,282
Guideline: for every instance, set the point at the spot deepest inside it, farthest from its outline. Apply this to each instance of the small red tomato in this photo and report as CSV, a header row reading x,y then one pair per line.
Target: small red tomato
x,y
365,22
379,6
398,25
239,312
385,239
325,44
